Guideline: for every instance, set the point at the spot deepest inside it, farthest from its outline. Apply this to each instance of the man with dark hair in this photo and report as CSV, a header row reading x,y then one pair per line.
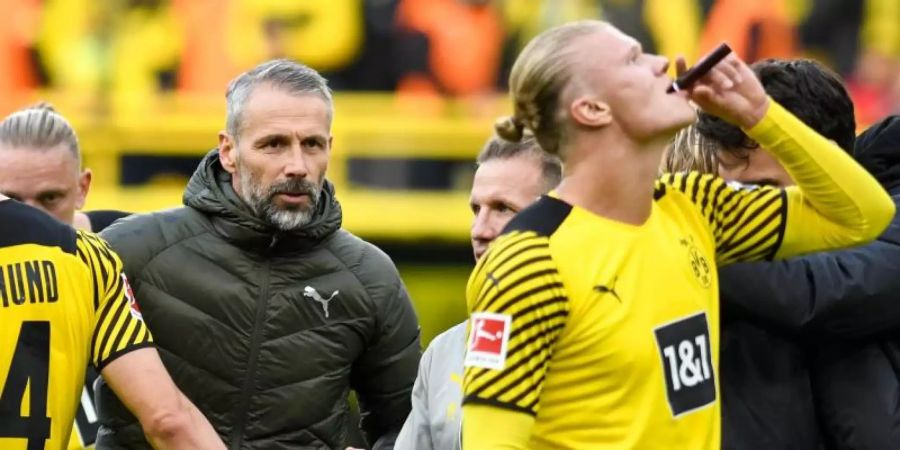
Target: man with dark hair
x,y
802,365
510,176
807,89
267,313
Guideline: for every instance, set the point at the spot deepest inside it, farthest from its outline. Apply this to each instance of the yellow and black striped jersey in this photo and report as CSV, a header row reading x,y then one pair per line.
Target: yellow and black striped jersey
x,y
610,325
64,303
607,333
587,332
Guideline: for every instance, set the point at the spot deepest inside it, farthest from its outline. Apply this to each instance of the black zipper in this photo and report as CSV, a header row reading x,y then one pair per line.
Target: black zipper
x,y
240,413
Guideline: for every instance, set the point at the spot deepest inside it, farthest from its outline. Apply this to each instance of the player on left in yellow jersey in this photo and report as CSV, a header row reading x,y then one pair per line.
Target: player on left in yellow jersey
x,y
40,166
65,303
594,316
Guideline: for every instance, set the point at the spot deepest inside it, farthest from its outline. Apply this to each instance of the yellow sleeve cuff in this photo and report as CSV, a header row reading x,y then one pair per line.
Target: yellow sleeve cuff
x,y
489,428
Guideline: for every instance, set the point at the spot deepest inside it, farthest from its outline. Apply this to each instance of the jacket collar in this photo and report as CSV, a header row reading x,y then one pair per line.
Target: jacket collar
x,y
878,150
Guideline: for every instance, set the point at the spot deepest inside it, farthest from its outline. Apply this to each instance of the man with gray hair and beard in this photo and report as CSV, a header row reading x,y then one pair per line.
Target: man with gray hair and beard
x,y
265,311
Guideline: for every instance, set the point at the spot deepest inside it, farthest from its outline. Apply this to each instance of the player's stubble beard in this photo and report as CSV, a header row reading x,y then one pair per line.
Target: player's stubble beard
x,y
261,199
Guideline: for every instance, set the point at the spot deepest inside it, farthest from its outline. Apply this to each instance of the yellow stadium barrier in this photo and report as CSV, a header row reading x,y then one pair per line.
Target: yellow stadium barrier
x,y
367,128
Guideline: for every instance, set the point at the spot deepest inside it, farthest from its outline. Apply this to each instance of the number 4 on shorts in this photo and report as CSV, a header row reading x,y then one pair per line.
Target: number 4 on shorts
x,y
29,367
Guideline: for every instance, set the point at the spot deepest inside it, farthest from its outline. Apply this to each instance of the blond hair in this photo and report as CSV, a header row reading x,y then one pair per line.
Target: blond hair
x,y
690,151
536,82
39,127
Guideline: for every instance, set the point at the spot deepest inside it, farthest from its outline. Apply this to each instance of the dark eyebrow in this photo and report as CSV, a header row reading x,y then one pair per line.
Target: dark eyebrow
x,y
317,137
271,138
741,157
52,192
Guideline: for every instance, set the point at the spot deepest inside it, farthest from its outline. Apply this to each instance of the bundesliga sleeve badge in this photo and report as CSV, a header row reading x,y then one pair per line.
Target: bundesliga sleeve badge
x,y
488,340
132,302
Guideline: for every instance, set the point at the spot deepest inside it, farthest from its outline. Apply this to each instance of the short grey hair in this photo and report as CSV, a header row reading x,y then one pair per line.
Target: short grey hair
x,y
293,77
39,127
499,148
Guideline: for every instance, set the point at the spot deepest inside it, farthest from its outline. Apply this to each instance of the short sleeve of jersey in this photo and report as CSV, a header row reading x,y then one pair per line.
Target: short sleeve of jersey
x,y
747,222
118,325
518,310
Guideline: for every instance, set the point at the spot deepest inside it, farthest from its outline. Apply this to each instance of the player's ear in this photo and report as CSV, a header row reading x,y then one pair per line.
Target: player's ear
x,y
227,152
590,112
84,186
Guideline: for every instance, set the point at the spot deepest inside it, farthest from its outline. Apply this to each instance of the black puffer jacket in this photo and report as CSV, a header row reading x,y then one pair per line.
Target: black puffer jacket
x,y
810,355
267,332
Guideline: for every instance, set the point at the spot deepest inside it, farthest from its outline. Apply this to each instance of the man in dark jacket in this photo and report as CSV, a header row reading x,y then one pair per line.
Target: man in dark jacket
x,y
842,311
804,361
266,312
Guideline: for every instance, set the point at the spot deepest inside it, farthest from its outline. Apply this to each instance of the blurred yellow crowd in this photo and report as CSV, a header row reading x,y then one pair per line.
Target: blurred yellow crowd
x,y
448,47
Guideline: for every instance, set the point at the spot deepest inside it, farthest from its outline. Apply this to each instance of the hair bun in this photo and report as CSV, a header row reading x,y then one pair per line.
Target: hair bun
x,y
510,128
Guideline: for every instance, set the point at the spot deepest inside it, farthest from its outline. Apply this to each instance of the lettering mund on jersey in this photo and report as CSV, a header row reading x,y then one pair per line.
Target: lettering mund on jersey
x,y
28,282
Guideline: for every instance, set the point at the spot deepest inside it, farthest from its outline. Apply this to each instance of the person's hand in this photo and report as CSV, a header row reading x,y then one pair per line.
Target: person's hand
x,y
729,91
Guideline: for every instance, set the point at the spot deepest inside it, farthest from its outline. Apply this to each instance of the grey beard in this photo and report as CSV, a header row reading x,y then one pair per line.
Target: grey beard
x,y
260,200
